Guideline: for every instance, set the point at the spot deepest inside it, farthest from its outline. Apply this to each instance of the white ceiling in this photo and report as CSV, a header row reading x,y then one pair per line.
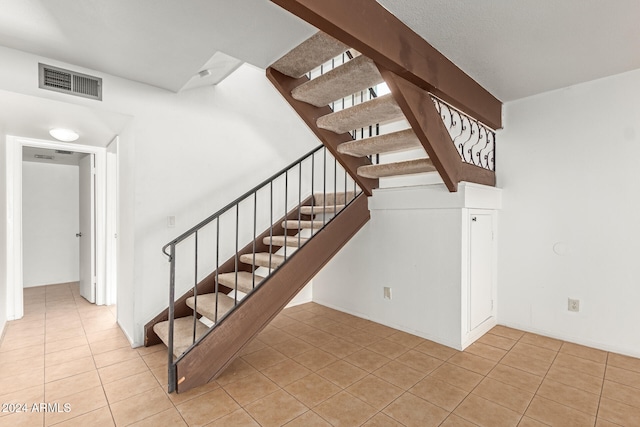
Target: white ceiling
x,y
515,48
57,157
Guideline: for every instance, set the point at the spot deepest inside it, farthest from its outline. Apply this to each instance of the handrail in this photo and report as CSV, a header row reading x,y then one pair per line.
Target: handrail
x,y
210,219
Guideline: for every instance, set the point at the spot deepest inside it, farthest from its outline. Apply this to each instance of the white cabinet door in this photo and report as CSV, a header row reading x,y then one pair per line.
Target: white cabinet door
x,y
480,269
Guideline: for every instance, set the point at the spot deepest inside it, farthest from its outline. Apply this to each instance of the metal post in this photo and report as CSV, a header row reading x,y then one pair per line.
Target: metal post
x,y
172,282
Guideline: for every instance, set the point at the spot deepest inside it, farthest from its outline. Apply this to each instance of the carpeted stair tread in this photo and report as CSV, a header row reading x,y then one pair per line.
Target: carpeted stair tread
x,y
321,210
262,259
396,141
207,305
329,199
182,333
245,280
379,110
396,169
291,241
310,54
305,225
354,76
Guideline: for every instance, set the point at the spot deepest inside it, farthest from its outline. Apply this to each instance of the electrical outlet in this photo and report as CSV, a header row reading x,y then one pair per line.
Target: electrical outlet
x,y
574,305
387,292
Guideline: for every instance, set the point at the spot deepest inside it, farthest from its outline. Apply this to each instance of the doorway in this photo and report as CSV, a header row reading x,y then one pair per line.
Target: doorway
x,y
96,214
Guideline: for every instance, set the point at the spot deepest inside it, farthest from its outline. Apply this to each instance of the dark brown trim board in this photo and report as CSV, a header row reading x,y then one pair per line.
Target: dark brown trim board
x,y
223,344
372,30
473,173
207,285
310,115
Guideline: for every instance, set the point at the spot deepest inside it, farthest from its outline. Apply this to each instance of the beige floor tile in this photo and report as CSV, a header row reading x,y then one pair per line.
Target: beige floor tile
x,y
308,419
94,337
168,418
236,370
238,418
316,337
399,375
618,412
65,344
342,373
506,332
367,360
344,409
68,369
515,377
339,348
497,341
526,363
411,410
621,393
79,403
57,390
623,376
122,370
439,393
178,398
21,366
534,351
486,351
315,359
375,391
104,346
455,421
98,418
22,419
116,356
312,390
581,365
556,414
540,341
504,394
293,347
406,339
128,387
569,396
381,420
604,423
11,355
276,409
388,348
274,336
486,413
457,376
264,358
143,351
63,356
364,339
24,380
286,372
207,408
419,361
575,379
472,362
139,407
588,353
379,330
250,388
624,362
65,334
298,329
20,341
320,322
31,394
436,350
530,422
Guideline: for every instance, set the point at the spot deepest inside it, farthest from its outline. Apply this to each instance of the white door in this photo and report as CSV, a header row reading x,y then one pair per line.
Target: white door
x,y
480,269
87,228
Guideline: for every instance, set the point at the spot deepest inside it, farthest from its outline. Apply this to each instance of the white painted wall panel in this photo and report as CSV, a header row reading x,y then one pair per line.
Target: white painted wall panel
x,y
568,164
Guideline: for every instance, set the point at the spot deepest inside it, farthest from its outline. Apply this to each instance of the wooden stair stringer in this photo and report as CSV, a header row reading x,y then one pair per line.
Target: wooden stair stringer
x,y
207,285
224,343
310,114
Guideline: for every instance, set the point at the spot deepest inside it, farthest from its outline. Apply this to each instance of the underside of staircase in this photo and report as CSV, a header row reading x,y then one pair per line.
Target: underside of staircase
x,y
212,324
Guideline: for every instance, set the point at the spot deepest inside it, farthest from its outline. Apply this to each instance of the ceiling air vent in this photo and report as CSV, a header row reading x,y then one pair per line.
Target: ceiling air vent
x,y
70,82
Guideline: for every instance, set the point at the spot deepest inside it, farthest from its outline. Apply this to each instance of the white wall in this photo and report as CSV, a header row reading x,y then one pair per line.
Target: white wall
x,y
50,218
184,154
3,233
568,164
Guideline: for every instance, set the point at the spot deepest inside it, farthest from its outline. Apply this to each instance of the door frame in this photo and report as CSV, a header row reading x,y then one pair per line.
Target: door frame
x,y
14,145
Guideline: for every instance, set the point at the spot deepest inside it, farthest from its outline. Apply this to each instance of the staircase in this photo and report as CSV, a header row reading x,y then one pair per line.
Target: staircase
x,y
332,87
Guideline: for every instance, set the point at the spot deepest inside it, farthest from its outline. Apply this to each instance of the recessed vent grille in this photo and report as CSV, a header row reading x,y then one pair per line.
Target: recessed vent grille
x,y
70,82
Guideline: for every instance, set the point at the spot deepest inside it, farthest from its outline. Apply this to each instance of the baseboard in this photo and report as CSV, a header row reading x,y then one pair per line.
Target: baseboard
x,y
575,340
479,331
128,337
2,330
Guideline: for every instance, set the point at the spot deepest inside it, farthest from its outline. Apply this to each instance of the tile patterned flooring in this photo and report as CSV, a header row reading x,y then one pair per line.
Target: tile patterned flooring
x,y
312,366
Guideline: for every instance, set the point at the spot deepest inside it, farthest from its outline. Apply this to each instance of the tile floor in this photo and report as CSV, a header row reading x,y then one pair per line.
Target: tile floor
x,y
312,366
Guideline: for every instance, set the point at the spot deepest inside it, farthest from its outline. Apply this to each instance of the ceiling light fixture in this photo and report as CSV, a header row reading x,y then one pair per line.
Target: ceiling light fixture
x,y
64,135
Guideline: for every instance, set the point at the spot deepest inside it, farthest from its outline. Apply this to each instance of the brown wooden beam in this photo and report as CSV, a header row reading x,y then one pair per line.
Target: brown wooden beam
x,y
207,285
223,344
473,173
372,30
310,115
421,113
